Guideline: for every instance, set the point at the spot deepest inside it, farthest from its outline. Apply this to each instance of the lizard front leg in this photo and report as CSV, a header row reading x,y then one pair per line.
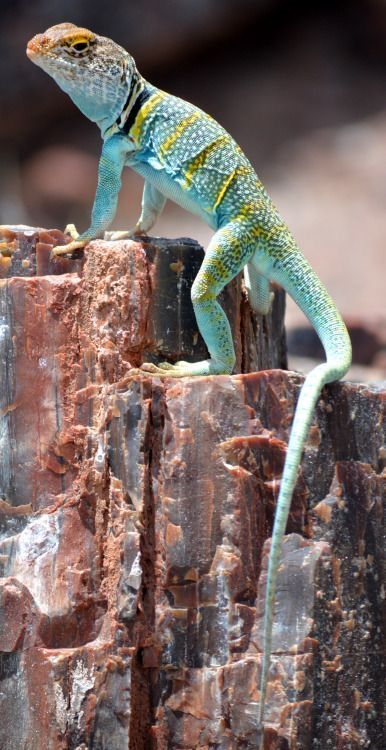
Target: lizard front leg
x,y
153,202
110,168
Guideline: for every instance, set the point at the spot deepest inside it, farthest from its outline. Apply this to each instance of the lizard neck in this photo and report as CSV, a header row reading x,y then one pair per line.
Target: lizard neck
x,y
126,102
139,92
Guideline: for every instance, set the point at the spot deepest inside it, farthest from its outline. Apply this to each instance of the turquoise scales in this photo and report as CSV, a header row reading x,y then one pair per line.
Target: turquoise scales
x,y
183,154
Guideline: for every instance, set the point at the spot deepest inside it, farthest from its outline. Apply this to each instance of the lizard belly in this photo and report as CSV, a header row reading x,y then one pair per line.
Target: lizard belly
x,y
171,189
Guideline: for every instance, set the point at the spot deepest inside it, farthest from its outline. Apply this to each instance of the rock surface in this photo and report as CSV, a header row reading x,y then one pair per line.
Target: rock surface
x,y
135,517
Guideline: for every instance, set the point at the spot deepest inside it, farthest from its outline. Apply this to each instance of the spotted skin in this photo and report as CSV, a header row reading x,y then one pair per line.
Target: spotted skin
x,y
185,155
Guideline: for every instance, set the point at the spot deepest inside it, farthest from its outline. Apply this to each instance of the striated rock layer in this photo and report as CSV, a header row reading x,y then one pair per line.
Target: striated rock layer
x,y
135,517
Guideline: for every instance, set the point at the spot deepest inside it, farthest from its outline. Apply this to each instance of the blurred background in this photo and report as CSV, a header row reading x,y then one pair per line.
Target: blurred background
x,y
300,85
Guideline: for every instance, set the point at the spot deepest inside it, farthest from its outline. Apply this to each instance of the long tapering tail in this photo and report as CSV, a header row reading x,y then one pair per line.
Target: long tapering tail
x,y
298,278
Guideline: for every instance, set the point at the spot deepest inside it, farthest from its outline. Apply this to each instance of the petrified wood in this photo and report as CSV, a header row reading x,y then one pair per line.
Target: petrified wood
x,y
136,513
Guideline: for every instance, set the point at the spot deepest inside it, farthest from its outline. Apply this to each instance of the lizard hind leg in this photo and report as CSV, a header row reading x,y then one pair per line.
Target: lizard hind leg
x,y
259,293
227,253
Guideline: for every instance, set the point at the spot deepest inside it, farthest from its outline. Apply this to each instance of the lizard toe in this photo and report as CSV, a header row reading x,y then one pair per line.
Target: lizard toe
x,y
67,249
72,231
121,235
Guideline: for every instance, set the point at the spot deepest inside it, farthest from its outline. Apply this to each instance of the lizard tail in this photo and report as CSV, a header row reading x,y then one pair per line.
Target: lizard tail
x,y
299,280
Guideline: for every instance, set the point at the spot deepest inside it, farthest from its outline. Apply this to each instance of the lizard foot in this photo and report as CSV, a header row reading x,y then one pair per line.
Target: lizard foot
x,y
68,249
137,231
114,236
184,369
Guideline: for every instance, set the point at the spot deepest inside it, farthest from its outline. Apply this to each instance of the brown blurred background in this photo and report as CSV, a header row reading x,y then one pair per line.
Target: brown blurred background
x,y
300,85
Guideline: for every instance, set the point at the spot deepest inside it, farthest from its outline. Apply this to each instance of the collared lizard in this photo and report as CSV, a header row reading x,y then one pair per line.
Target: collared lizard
x,y
185,155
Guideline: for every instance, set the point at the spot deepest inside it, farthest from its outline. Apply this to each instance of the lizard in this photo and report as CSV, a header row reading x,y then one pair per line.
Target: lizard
x,y
183,154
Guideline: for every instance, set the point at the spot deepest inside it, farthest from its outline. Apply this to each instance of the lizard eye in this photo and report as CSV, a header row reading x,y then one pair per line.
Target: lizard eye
x,y
80,45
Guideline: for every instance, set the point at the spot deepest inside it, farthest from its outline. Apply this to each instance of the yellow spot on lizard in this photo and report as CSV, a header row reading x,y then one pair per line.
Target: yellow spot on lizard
x,y
179,130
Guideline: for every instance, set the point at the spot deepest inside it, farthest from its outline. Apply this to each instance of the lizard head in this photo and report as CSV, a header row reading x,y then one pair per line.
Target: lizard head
x,y
95,71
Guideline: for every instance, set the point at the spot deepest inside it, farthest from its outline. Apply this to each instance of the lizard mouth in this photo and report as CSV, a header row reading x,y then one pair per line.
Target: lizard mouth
x,y
31,49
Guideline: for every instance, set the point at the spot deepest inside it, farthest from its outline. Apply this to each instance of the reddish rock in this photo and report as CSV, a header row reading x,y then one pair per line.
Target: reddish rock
x,y
135,513
351,612
25,251
213,495
19,617
36,347
65,337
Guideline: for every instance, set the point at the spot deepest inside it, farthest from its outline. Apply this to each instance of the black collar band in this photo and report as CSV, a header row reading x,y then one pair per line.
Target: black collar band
x,y
134,82
142,97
